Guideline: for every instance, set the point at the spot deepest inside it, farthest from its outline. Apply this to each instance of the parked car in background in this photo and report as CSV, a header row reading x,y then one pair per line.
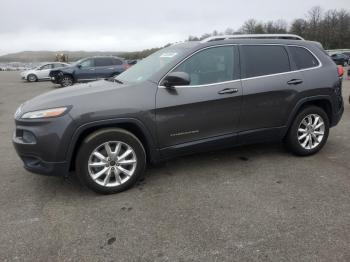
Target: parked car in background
x,y
341,59
89,69
41,72
186,98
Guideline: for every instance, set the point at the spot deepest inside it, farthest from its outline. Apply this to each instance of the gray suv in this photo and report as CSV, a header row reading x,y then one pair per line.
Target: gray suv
x,y
186,98
89,69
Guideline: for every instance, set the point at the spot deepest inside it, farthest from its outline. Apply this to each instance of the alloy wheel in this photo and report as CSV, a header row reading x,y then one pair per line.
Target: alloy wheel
x,y
32,78
311,131
67,81
112,163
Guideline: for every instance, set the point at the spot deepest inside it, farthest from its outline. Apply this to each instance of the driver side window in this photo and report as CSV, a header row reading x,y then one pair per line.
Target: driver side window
x,y
212,65
87,63
49,66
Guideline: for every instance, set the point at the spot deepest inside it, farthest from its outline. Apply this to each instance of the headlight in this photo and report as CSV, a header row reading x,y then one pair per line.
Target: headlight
x,y
53,112
18,112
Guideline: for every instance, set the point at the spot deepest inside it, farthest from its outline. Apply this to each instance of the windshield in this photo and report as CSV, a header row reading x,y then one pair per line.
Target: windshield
x,y
78,62
38,66
151,64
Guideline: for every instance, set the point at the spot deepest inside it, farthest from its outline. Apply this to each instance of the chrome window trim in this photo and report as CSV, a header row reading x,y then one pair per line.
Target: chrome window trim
x,y
312,53
188,57
212,84
242,79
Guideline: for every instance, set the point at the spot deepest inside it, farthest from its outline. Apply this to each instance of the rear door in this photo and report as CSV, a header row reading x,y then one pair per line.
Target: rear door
x,y
119,66
209,108
270,87
104,67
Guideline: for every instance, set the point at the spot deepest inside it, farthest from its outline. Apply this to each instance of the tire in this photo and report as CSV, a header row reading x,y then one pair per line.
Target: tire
x,y
89,163
67,80
295,140
32,78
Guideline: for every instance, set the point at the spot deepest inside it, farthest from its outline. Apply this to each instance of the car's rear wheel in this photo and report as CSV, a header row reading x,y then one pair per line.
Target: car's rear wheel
x,y
308,132
110,161
66,81
32,78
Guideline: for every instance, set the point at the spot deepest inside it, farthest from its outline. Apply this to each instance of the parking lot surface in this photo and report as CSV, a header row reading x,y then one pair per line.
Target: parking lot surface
x,y
252,203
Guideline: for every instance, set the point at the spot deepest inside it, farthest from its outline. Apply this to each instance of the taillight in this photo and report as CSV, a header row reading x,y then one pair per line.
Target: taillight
x,y
340,71
126,66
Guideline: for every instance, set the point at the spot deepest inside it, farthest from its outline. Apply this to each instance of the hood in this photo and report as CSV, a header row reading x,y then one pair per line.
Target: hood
x,y
70,96
27,72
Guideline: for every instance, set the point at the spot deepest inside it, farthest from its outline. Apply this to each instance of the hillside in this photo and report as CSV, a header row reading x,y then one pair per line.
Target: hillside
x,y
44,56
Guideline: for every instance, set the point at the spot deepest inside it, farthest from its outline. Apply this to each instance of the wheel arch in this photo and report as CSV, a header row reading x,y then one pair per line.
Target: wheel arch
x,y
36,77
132,125
69,74
323,102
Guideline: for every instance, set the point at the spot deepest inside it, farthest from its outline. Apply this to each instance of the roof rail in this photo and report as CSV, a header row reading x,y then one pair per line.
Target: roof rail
x,y
252,36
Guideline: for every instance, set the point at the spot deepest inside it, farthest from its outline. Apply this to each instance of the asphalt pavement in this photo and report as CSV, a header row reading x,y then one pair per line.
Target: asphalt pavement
x,y
252,203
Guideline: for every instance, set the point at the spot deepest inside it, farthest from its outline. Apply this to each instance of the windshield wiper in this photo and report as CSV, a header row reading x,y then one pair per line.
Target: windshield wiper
x,y
112,79
118,81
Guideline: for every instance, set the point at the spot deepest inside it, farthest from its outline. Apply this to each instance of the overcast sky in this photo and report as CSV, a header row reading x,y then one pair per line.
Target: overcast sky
x,y
111,25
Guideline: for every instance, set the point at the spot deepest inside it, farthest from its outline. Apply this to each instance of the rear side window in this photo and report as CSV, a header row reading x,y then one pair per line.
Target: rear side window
x,y
303,58
103,61
259,60
117,61
59,65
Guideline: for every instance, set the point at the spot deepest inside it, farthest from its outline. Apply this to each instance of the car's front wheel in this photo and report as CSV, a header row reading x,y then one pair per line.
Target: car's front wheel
x,y
110,160
66,81
308,132
32,78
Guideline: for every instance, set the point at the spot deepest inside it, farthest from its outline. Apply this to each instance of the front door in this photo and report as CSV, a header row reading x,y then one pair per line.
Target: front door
x,y
44,71
86,70
209,107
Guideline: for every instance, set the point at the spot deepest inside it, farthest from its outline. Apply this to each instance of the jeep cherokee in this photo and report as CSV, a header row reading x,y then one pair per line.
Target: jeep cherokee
x,y
186,98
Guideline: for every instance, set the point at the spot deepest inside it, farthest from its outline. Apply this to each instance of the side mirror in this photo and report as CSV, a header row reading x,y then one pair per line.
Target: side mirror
x,y
177,79
79,66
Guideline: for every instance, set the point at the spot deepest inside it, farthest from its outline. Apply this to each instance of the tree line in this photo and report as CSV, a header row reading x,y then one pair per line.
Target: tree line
x,y
331,28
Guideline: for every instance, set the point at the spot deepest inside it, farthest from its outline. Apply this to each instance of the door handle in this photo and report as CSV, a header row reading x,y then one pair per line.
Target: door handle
x,y
295,82
92,69
228,91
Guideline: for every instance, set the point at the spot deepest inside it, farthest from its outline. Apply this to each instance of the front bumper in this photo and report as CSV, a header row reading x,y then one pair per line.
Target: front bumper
x,y
54,80
337,116
38,166
42,145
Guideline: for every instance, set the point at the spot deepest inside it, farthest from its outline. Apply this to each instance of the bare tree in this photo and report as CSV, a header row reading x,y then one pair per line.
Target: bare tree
x,y
275,27
229,31
330,28
298,27
251,26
